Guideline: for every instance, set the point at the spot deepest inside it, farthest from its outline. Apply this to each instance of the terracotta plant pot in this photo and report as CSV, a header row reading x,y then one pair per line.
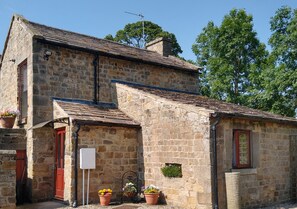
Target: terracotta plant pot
x,y
151,199
7,122
105,199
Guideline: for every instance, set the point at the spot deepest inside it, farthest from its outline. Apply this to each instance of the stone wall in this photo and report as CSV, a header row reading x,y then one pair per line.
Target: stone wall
x,y
115,69
269,180
66,74
8,179
172,133
293,163
19,48
41,177
12,139
116,153
69,74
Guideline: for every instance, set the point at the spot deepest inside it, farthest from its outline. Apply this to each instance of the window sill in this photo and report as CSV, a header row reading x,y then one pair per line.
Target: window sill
x,y
246,171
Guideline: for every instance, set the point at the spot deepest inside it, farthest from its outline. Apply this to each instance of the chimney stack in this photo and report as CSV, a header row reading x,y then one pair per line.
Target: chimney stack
x,y
160,45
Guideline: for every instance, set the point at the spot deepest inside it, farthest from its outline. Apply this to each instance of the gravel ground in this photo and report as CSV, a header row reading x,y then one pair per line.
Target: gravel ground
x,y
283,206
58,205
145,206
126,206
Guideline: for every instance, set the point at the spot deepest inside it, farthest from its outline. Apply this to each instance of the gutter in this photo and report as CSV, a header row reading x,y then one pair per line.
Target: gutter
x,y
213,138
75,136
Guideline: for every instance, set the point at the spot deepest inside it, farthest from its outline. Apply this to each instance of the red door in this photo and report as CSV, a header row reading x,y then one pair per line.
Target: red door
x,y
21,176
59,171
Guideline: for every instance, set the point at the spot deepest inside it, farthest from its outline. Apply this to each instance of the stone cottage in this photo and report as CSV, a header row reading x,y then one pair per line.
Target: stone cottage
x,y
140,110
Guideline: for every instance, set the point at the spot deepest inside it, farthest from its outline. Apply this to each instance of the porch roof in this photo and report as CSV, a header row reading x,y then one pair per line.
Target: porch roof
x,y
86,113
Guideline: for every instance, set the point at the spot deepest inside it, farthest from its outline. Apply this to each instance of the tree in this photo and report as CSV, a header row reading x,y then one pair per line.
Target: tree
x,y
132,35
281,81
232,57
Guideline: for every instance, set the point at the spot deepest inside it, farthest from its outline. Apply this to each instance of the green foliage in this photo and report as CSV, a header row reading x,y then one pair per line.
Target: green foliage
x,y
231,56
172,171
238,69
281,81
132,35
151,189
129,189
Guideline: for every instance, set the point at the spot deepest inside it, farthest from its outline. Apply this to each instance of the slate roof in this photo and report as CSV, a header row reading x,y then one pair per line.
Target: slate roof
x,y
91,114
217,106
106,47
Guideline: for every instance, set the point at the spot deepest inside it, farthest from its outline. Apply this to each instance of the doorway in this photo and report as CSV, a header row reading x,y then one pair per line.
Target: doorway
x,y
59,163
21,176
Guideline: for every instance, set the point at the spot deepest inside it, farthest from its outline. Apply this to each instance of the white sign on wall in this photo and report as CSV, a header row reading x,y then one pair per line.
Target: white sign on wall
x,y
87,158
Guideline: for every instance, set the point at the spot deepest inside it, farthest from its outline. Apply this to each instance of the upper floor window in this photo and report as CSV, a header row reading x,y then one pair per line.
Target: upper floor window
x,y
23,91
242,149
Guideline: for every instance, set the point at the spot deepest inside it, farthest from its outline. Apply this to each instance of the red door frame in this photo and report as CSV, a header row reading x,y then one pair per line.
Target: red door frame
x,y
59,163
247,133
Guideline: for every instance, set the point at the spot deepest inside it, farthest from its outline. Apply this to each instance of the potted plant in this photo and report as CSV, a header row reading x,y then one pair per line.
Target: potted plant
x,y
151,194
7,118
129,190
104,196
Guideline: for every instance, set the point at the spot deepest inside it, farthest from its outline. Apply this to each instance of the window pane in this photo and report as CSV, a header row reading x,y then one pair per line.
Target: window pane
x,y
243,149
24,103
24,78
23,90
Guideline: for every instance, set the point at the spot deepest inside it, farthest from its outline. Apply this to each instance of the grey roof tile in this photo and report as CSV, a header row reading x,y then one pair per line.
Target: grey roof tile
x,y
105,46
225,108
95,114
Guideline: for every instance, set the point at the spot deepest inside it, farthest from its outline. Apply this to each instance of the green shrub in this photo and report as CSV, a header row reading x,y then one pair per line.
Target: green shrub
x,y
172,170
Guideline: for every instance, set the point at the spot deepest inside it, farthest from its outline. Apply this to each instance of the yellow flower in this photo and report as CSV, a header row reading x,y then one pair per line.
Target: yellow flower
x,y
104,191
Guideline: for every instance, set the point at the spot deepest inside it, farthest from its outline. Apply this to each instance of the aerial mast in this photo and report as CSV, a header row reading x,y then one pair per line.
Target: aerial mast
x,y
142,19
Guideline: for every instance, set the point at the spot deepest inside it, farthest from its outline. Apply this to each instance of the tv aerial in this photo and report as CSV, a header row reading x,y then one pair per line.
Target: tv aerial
x,y
142,19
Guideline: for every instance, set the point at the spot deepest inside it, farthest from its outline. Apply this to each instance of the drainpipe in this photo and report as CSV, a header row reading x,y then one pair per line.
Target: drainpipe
x,y
75,136
213,136
95,64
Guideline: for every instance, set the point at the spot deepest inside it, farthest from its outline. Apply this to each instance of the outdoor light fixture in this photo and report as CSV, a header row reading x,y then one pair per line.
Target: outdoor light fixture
x,y
47,54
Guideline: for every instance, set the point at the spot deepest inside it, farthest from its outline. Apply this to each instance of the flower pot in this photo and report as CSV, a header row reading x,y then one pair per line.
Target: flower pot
x,y
151,199
105,199
7,122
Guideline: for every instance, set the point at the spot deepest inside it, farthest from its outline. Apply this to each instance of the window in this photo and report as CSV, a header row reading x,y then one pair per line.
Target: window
x,y
242,149
23,91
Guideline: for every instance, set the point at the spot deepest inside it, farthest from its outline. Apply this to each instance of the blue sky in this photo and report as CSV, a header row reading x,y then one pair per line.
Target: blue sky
x,y
184,18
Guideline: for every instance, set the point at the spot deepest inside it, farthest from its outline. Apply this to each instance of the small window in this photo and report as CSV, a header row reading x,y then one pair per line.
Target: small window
x,y
242,149
23,91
